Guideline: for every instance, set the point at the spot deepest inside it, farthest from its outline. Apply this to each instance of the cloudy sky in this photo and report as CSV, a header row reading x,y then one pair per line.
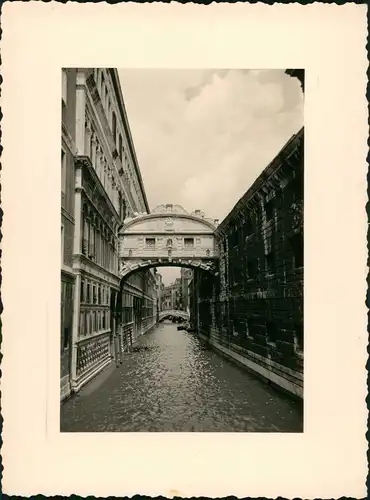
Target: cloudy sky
x,y
203,136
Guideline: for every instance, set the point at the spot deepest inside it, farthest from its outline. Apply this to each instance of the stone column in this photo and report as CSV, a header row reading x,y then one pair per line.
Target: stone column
x,y
88,147
77,288
93,152
80,112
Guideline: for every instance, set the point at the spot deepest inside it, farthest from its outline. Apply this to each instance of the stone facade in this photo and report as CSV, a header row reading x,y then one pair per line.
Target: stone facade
x,y
104,187
186,276
168,236
68,135
253,313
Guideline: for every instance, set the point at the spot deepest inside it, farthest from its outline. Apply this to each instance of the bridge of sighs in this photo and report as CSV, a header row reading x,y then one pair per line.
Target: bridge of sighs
x,y
168,236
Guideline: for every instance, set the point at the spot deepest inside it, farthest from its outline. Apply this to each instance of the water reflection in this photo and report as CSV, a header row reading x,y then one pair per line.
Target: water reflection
x,y
172,382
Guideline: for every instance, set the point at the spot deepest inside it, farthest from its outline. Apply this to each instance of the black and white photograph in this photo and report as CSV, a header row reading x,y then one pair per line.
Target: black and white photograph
x,y
184,263
182,250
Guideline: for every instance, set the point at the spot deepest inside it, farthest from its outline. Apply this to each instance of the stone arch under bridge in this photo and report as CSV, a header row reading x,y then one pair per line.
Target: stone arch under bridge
x,y
168,236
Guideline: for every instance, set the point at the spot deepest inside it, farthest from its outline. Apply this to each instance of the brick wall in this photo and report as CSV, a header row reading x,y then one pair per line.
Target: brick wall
x,y
255,307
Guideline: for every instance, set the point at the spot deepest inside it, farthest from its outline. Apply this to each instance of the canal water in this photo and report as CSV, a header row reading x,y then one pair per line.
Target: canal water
x,y
172,382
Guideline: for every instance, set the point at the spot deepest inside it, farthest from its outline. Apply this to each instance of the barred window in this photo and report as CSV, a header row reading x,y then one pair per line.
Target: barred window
x,y
188,242
272,332
270,263
296,243
150,242
269,209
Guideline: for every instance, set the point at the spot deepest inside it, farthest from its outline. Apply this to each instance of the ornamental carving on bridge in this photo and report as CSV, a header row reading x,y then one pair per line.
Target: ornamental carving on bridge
x,y
168,224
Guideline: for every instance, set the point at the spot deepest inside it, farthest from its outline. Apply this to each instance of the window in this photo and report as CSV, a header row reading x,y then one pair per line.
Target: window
x,y
296,242
82,291
299,336
297,186
64,86
188,242
64,170
66,338
62,243
270,263
269,209
88,296
120,147
252,268
114,126
272,332
248,226
150,242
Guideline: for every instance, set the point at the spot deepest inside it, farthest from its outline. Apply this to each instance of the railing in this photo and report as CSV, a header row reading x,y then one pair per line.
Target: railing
x,y
92,352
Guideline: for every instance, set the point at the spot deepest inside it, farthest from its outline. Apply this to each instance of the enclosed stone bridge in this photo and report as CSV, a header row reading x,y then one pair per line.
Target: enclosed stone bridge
x,y
168,236
173,313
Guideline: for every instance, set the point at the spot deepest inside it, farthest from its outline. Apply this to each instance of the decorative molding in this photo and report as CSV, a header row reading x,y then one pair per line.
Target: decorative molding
x,y
66,136
86,163
67,215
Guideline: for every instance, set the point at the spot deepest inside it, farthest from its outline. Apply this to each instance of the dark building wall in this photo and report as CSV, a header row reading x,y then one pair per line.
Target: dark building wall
x,y
297,73
254,310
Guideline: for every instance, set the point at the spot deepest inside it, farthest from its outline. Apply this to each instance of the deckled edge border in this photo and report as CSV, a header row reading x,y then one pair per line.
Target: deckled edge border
x,y
367,208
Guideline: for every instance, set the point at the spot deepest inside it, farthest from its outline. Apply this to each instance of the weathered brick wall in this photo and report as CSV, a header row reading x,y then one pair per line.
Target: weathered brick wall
x,y
256,308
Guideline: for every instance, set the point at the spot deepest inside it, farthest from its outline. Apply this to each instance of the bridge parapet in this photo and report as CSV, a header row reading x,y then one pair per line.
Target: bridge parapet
x,y
175,234
173,313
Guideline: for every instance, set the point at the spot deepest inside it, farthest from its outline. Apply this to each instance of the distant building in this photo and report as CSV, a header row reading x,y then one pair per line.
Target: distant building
x,y
186,276
160,290
173,295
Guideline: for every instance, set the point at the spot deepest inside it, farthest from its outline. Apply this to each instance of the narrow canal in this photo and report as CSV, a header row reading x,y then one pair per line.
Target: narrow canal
x,y
173,383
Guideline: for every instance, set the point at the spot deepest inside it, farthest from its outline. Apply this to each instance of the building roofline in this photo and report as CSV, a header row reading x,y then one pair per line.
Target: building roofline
x,y
140,218
117,87
271,168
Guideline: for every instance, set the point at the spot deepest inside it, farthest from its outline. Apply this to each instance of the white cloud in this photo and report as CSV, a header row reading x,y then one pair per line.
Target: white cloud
x,y
203,136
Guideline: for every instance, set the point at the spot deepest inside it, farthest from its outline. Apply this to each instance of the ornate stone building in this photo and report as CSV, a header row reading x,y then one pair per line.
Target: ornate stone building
x,y
106,187
168,236
253,312
68,149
